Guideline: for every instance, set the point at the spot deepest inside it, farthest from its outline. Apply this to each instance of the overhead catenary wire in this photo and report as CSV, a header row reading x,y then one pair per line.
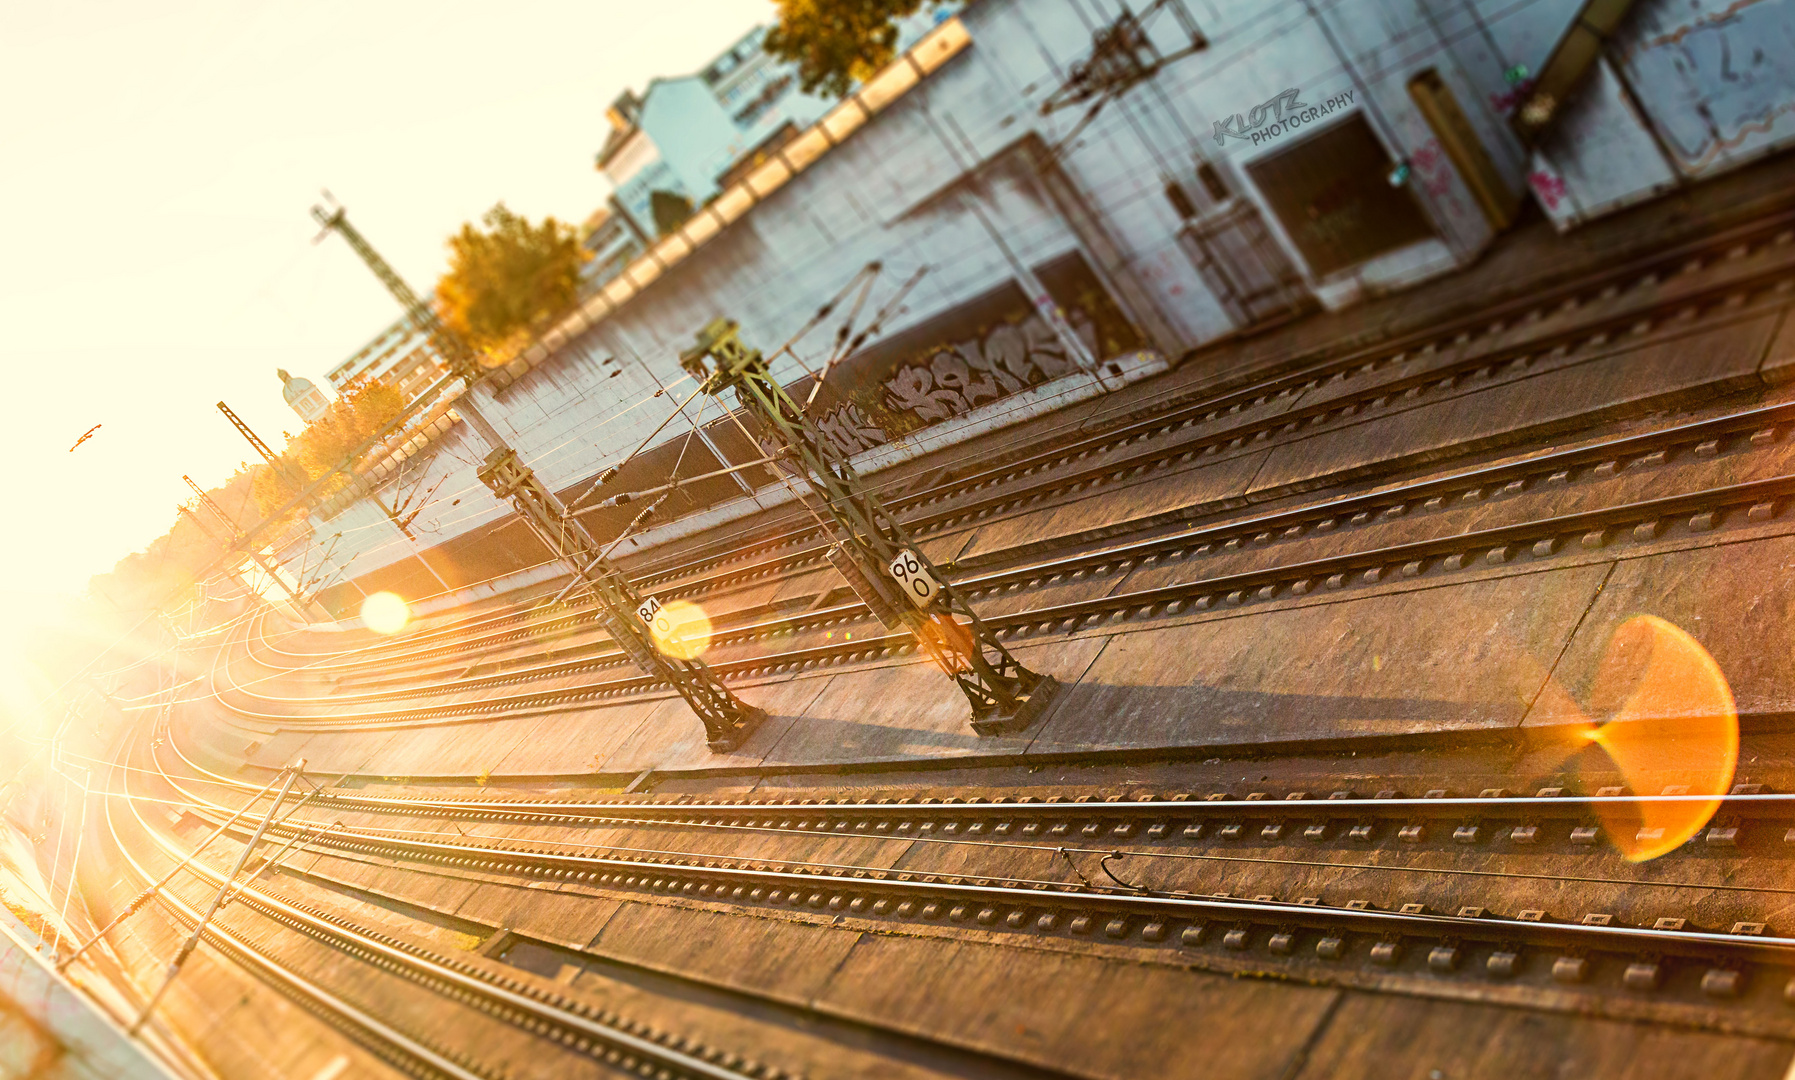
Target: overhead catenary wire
x,y
1233,59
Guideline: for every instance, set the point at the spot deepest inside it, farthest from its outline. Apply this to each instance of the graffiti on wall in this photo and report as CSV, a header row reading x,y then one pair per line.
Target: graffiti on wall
x,y
957,378
1716,77
981,351
966,374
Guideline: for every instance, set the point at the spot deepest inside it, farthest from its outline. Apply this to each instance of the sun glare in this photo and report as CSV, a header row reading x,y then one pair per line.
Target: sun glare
x,y
385,613
1672,728
682,629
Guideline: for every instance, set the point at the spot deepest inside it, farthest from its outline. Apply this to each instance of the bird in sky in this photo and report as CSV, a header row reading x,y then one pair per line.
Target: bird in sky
x,y
86,437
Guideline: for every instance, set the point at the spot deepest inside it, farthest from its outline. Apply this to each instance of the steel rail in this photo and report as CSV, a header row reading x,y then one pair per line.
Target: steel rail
x,y
373,1034
1264,583
676,870
1174,420
426,968
1775,227
868,890
1634,445
1622,448
976,1061
838,813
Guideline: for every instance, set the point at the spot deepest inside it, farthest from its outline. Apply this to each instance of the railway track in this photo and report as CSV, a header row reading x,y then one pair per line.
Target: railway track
x,y
1463,522
1746,266
542,1029
557,1025
977,867
1451,866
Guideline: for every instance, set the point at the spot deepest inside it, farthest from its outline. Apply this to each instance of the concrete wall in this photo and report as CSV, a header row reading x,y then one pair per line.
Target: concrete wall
x,y
916,186
1687,90
48,1031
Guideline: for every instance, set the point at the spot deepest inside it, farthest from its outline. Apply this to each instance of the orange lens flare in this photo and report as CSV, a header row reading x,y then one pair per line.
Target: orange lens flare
x,y
1671,724
682,630
385,613
949,644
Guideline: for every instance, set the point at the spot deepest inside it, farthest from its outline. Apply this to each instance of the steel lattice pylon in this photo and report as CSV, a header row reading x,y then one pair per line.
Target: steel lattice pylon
x,y
1005,696
727,719
449,345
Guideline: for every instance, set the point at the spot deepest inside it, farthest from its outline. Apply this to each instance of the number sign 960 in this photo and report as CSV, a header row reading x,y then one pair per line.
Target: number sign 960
x,y
908,571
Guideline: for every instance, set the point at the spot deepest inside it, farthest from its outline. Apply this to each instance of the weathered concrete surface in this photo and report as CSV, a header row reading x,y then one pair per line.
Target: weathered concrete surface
x,y
539,911
787,961
49,1031
1458,657
1063,1011
1736,599
1779,361
1209,486
912,712
1607,383
672,738
1393,1038
570,741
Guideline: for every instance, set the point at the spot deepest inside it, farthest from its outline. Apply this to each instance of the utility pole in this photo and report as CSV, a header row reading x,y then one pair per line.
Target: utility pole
x,y
183,510
180,958
156,887
877,555
289,470
1038,297
621,610
286,469
299,602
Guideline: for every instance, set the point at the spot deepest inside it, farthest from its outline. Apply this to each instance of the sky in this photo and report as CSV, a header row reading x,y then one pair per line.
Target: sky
x,y
157,166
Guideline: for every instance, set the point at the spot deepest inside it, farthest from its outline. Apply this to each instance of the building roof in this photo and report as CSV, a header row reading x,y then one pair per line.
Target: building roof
x,y
615,142
626,111
293,389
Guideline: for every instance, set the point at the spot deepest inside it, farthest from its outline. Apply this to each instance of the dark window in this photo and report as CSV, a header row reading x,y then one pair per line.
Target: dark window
x,y
1212,182
1331,192
1180,200
670,209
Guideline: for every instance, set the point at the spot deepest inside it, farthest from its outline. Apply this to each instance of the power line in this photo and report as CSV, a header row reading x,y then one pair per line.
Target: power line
x,y
623,613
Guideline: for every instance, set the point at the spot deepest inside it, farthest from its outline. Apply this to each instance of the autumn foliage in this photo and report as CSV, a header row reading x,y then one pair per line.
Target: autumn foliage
x,y
354,417
508,279
837,43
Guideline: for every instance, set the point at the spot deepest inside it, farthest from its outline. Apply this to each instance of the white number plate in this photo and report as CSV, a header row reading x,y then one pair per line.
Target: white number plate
x,y
908,571
647,610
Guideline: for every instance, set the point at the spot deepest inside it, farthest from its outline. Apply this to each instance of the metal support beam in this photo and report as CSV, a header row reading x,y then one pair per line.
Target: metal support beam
x,y
727,719
230,572
156,887
300,603
279,464
1005,696
180,958
621,611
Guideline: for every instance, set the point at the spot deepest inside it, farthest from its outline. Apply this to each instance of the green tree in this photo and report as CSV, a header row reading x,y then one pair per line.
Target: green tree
x,y
837,43
507,279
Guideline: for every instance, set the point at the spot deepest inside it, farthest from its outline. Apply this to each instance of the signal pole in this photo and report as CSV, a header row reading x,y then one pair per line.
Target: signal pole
x,y
285,468
621,610
181,508
297,478
881,561
299,603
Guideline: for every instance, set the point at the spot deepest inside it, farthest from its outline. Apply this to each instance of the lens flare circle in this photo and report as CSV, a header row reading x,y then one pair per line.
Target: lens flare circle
x,y
1671,727
385,613
681,629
